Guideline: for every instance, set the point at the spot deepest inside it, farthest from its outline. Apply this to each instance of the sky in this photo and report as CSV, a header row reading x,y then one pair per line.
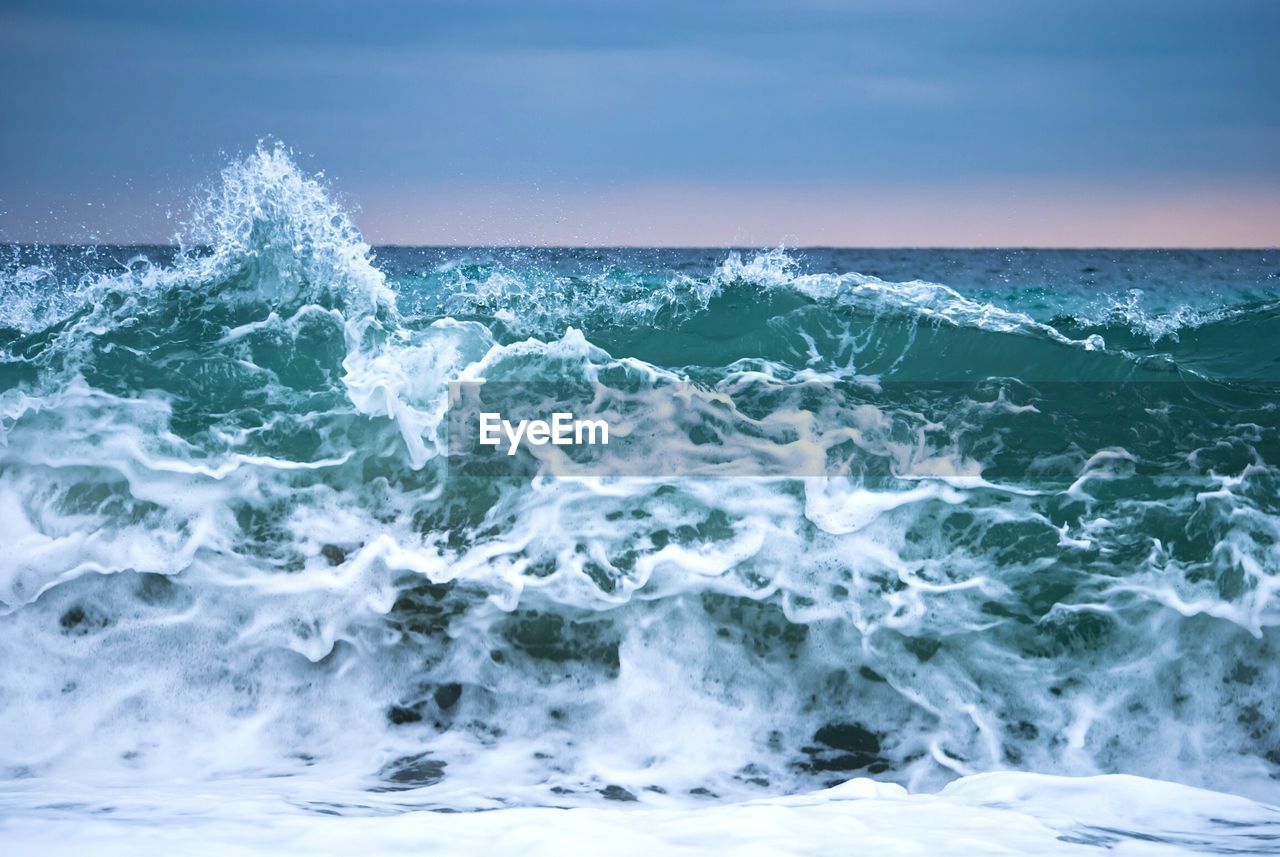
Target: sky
x,y
668,122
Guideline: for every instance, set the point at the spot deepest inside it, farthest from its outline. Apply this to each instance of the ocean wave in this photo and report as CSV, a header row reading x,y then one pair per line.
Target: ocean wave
x,y
228,512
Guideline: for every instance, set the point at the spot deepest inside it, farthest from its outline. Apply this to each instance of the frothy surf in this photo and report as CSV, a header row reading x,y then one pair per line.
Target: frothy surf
x,y
235,562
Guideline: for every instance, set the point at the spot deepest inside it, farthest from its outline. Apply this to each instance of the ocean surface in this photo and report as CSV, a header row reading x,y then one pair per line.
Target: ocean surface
x,y
1008,583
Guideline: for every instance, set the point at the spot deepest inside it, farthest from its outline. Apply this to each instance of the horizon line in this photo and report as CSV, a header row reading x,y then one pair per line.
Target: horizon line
x,y
724,247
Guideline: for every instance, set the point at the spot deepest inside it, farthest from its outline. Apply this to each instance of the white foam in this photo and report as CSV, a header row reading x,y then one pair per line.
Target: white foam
x,y
1000,813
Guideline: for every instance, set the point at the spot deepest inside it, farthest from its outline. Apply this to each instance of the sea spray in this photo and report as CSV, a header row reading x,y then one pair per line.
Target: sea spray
x,y
234,547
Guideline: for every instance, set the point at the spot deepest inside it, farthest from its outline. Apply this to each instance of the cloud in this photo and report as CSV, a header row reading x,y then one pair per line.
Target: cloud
x,y
597,95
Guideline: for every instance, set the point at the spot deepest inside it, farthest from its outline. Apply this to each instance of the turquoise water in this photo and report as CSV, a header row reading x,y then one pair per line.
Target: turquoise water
x,y
1044,535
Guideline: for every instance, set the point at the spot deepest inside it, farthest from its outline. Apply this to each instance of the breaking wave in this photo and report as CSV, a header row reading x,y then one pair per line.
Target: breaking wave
x,y
233,548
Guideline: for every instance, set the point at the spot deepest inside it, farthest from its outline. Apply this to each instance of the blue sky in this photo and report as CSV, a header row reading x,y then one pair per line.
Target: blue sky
x,y
917,122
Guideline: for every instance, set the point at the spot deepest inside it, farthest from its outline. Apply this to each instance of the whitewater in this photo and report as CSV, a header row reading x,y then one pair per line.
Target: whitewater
x,y
978,568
